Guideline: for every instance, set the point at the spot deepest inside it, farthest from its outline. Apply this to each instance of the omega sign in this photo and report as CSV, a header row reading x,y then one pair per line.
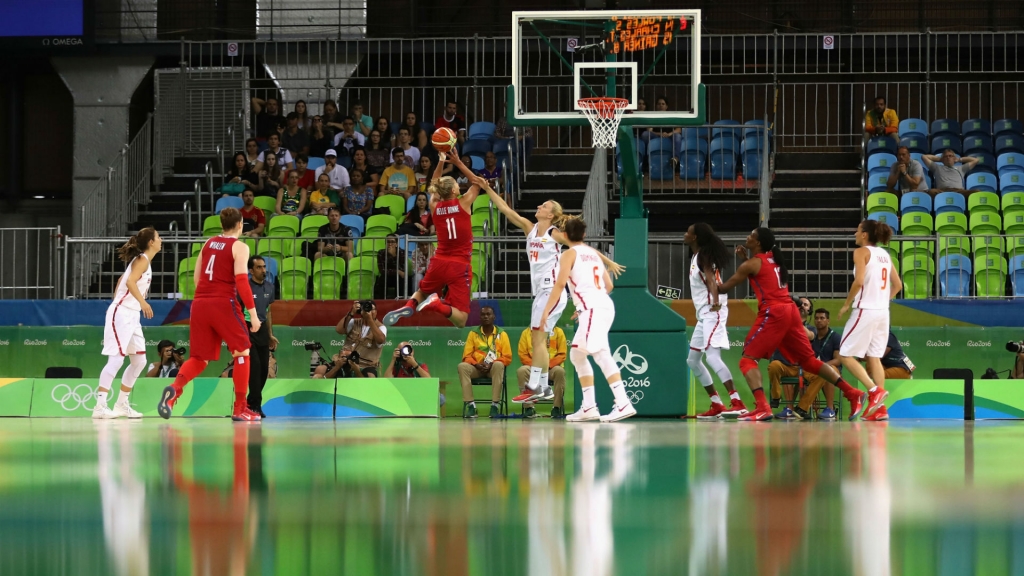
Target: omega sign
x,y
68,41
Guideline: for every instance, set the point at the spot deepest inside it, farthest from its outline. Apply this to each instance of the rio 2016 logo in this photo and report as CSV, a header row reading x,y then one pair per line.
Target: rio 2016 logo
x,y
636,365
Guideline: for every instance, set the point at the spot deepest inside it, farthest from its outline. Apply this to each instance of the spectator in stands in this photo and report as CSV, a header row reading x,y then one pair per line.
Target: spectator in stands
x,y
906,174
557,351
487,353
392,263
303,115
331,118
882,121
323,197
252,153
271,176
295,139
505,132
284,157
398,178
364,123
826,348
370,176
418,221
946,175
240,178
378,152
348,140
420,260
417,136
674,132
292,198
334,238
468,161
268,116
450,118
337,172
405,367
411,153
307,178
365,335
424,171
387,135
358,197
254,221
491,171
896,364
166,364
641,105
320,138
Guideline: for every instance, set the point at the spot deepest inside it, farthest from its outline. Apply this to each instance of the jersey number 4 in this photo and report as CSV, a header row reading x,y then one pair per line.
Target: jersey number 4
x,y
209,267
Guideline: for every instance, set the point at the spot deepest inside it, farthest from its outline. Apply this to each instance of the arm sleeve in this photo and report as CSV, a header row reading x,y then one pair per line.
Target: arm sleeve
x,y
244,291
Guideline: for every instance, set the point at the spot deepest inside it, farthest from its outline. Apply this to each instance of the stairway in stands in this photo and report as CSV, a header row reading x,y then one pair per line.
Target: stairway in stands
x,y
816,193
560,175
166,205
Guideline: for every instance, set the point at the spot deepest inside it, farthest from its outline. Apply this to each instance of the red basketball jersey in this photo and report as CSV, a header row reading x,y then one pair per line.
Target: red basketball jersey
x,y
454,231
767,283
217,276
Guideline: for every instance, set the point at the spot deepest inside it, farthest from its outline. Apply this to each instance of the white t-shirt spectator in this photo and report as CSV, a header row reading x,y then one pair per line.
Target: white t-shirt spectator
x,y
165,369
948,177
412,157
342,140
282,159
339,176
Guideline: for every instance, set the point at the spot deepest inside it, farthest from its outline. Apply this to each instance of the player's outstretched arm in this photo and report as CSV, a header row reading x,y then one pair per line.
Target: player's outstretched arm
x,y
518,221
750,267
458,164
132,284
467,199
240,252
860,263
565,263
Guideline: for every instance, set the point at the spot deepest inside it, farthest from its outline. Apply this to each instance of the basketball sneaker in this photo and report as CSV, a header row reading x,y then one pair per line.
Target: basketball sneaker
x,y
102,412
713,412
167,400
736,409
880,414
123,409
468,411
243,414
556,413
547,393
827,414
857,404
785,414
875,400
584,415
524,397
619,412
392,318
801,414
529,412
432,303
758,415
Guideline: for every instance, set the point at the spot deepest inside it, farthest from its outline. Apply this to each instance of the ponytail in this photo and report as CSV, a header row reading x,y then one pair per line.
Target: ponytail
x,y
558,217
878,232
767,240
136,244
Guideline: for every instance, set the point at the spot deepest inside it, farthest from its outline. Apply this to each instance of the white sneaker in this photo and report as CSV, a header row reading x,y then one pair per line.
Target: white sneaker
x,y
102,412
124,410
584,415
619,412
548,393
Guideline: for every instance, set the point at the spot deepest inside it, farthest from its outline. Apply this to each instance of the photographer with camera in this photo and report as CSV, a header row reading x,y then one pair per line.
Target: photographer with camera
x,y
170,360
404,365
364,340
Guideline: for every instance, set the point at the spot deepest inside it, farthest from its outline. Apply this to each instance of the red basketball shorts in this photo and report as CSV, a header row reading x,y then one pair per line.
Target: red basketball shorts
x,y
453,274
778,327
214,321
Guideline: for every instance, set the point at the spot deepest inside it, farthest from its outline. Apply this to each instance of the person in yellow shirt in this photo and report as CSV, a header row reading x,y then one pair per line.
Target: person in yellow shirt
x,y
556,372
882,121
488,351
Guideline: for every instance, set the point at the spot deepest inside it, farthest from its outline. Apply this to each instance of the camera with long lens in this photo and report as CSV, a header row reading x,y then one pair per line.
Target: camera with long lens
x,y
1015,347
405,351
319,355
365,305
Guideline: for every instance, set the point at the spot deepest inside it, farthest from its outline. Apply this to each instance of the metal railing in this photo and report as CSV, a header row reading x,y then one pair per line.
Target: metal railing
x,y
30,263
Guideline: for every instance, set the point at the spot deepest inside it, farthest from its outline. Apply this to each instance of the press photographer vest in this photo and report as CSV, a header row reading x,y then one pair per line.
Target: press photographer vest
x,y
369,353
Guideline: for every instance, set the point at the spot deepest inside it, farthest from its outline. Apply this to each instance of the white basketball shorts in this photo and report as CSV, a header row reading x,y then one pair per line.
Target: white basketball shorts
x,y
709,332
592,333
122,332
539,302
866,334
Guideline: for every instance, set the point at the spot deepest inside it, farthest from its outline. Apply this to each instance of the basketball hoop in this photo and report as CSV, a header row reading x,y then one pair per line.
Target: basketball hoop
x,y
604,115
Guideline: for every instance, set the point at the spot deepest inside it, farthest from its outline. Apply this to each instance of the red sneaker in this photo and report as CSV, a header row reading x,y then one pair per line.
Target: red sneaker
x,y
857,404
525,397
167,399
875,400
433,303
735,410
243,414
713,412
879,415
758,415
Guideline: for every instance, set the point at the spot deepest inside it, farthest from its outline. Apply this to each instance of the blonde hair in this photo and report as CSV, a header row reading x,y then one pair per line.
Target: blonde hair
x,y
446,187
558,216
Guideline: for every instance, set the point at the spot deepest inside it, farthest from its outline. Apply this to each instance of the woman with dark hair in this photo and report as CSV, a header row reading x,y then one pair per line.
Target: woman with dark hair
x,y
378,153
331,118
875,283
383,125
240,178
358,196
709,338
418,221
270,176
300,109
778,326
391,261
419,137
291,198
359,163
252,153
320,138
122,333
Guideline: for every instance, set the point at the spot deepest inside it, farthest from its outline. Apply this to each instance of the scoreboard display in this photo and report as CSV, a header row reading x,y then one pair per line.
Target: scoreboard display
x,y
635,34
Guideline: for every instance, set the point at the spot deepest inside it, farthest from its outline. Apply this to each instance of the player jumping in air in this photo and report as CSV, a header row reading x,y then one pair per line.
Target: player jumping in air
x,y
778,325
221,276
450,266
122,331
543,247
582,268
710,257
875,283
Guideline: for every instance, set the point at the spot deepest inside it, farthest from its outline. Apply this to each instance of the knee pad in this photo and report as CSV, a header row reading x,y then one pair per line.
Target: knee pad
x,y
580,362
746,365
693,360
606,363
715,361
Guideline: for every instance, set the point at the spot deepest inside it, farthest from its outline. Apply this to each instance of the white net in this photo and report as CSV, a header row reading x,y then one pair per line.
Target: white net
x,y
604,115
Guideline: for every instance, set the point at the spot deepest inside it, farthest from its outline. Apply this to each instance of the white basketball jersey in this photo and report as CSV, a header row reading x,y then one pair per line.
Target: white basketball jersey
x,y
543,252
124,298
699,290
586,280
874,294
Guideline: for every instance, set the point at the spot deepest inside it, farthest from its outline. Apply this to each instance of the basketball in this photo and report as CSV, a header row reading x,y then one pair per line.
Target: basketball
x,y
443,139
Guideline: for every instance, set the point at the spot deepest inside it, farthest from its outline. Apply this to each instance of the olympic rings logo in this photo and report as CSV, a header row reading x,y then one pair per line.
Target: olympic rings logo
x,y
635,396
74,396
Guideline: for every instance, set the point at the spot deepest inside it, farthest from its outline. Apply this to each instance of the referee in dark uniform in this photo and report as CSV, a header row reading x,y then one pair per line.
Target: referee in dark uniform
x,y
263,341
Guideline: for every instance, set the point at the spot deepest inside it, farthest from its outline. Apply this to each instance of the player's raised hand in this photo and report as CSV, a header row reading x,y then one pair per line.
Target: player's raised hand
x,y
479,181
616,269
442,156
741,250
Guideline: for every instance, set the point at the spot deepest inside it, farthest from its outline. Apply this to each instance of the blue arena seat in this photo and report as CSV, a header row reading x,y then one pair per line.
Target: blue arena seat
x,y
755,129
881,160
945,141
945,126
913,127
1017,274
229,202
480,131
977,143
949,202
915,144
981,181
1011,182
878,180
752,165
736,133
881,144
660,158
977,126
724,160
1007,126
888,218
315,163
986,163
356,222
692,167
478,148
955,276
1009,143
915,202
1010,162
